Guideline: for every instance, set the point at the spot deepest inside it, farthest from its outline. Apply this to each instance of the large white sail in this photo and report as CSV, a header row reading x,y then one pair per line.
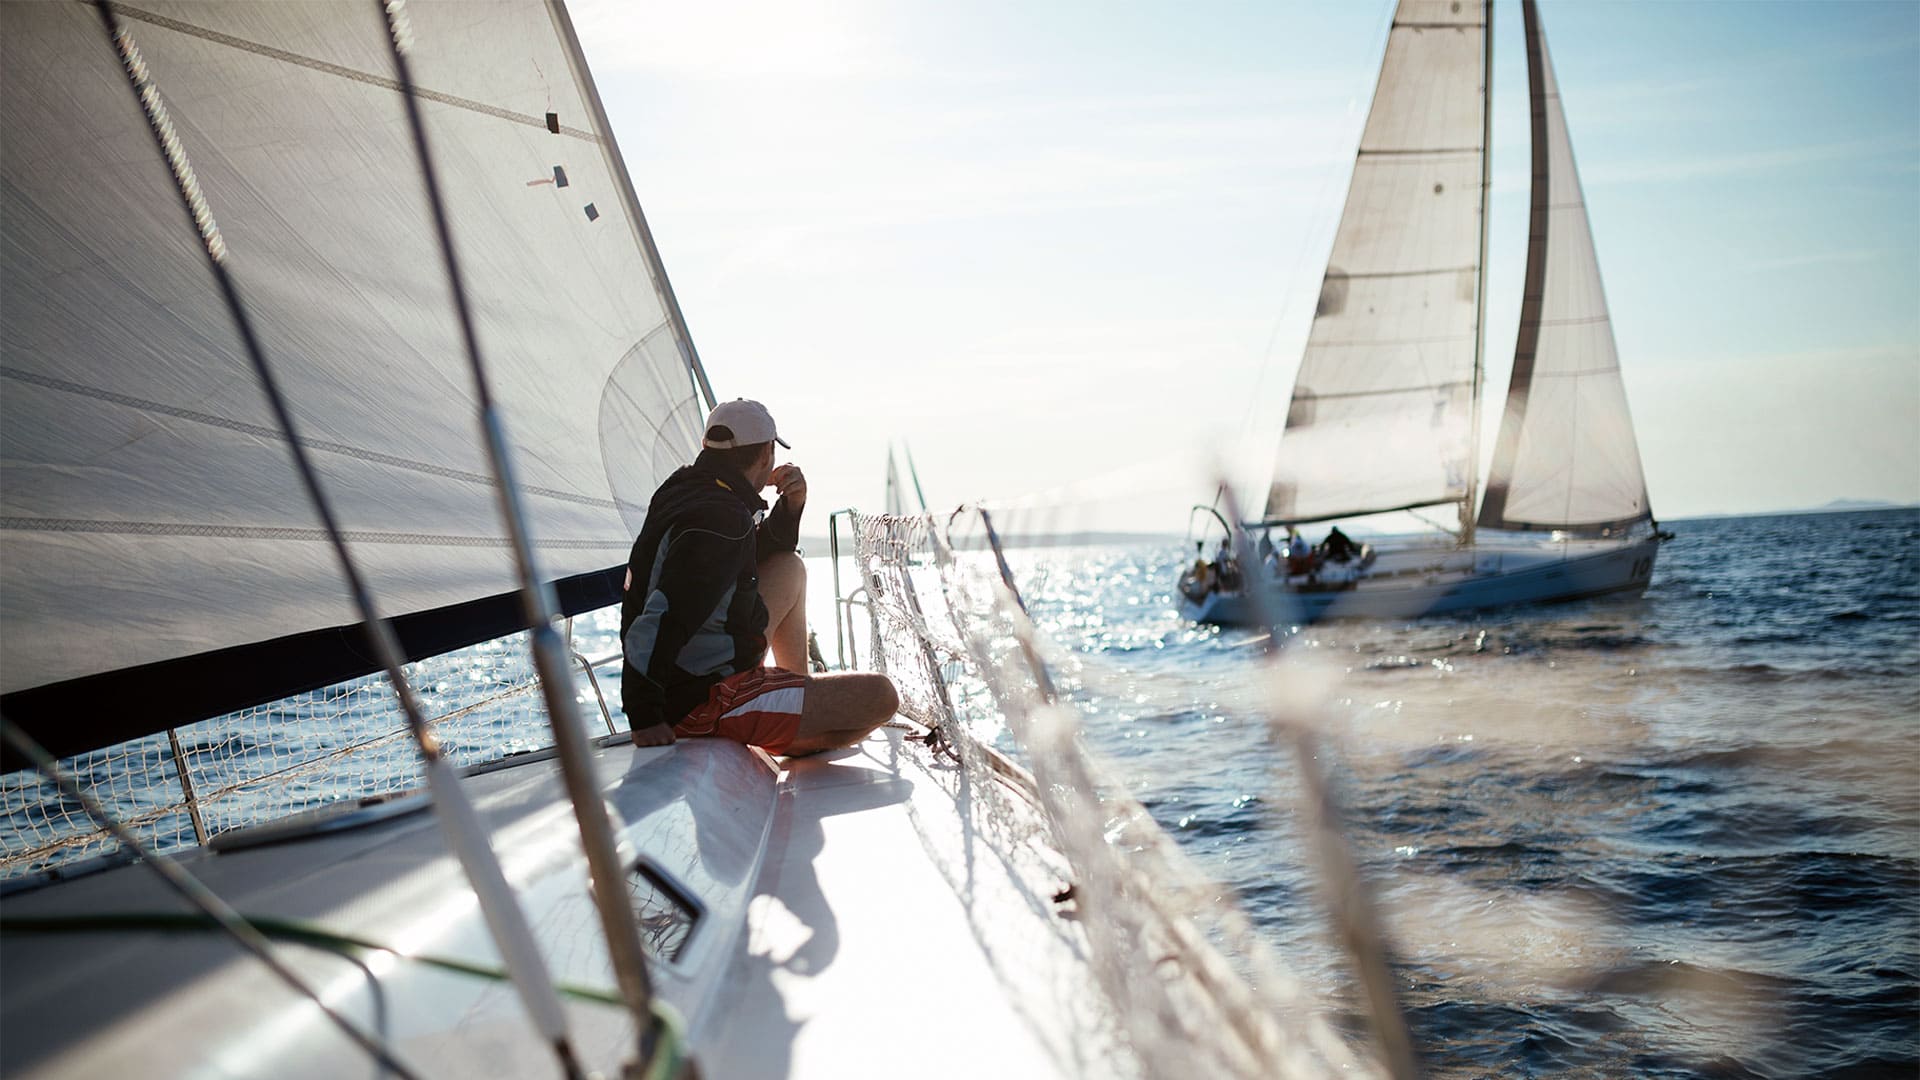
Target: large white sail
x,y
1381,415
147,505
1566,456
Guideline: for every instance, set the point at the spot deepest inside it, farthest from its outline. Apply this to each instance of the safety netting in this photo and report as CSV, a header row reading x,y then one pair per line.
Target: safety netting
x,y
342,742
947,624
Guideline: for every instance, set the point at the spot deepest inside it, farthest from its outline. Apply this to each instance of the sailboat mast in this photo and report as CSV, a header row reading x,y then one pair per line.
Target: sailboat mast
x,y
1467,515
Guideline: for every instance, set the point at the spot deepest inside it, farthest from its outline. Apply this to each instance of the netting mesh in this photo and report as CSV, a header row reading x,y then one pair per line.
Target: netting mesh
x,y
341,742
966,661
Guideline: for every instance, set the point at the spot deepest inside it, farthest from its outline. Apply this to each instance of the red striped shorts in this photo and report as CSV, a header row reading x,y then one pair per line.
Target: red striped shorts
x,y
760,707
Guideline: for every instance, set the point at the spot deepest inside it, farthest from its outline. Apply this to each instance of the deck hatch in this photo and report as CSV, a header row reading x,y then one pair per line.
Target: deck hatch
x,y
663,909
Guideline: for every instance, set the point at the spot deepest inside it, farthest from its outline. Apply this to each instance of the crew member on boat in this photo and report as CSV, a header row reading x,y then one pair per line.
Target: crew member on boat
x,y
1299,555
1338,547
1200,579
715,589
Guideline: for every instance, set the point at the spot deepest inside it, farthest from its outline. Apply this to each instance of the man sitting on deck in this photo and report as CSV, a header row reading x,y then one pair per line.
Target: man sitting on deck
x,y
708,590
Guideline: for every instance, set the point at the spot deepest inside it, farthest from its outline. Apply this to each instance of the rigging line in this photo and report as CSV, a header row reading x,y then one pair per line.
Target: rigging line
x,y
1348,899
197,894
299,931
458,820
606,879
915,474
1078,773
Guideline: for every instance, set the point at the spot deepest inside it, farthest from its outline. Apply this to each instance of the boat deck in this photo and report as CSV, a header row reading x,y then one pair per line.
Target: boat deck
x,y
839,912
894,933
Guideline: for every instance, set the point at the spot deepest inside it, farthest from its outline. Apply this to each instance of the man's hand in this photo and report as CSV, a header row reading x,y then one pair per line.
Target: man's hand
x,y
791,483
653,735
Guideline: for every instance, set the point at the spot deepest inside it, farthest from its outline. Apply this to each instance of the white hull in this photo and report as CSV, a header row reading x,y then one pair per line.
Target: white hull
x,y
1415,581
830,892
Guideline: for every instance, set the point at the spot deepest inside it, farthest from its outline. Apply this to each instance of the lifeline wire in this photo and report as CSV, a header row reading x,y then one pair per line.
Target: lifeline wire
x,y
455,813
1348,901
197,894
606,877
1135,894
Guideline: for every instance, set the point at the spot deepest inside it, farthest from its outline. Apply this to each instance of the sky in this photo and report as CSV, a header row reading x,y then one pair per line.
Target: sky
x,y
1068,252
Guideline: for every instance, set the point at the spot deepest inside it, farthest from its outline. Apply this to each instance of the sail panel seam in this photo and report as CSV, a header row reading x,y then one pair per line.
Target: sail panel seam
x,y
1575,527
263,532
1581,373
1584,320
344,72
263,432
1314,519
1412,150
1367,343
1421,388
1403,273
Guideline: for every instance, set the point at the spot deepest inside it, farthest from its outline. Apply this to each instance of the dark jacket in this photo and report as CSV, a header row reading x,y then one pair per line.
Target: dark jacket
x,y
692,614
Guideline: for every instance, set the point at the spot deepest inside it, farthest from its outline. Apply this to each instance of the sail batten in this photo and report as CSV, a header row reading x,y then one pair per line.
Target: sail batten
x,y
1380,413
1566,457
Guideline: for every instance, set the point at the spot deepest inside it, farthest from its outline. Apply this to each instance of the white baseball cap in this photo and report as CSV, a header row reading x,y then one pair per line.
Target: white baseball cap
x,y
740,423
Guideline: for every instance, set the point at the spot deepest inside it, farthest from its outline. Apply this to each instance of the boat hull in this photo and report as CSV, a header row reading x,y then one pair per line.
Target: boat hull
x,y
1428,581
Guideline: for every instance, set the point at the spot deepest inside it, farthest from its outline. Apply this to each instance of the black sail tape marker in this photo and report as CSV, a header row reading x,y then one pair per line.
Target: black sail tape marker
x,y
553,122
593,213
559,176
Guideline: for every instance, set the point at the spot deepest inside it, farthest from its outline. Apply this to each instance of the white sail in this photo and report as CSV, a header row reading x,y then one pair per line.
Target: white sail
x,y
147,504
1382,406
1566,456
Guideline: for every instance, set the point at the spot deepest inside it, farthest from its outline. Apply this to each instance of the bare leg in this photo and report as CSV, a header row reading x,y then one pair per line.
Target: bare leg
x,y
840,710
783,588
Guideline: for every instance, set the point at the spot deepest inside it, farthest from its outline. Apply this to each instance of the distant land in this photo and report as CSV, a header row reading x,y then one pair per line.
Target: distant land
x,y
818,545
1837,506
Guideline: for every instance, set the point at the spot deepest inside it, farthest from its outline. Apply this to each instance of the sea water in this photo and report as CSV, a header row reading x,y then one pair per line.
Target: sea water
x,y
1671,836
1674,836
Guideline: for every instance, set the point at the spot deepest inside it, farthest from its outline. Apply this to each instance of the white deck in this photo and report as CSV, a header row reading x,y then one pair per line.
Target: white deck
x,y
885,930
889,938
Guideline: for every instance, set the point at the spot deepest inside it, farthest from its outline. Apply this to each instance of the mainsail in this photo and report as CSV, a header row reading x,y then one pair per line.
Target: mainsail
x,y
1566,457
1381,417
162,562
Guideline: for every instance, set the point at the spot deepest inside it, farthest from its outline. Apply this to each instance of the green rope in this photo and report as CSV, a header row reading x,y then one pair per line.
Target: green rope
x,y
295,930
669,1029
669,1059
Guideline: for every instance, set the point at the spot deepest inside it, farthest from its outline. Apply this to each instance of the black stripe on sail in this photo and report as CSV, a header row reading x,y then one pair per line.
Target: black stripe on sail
x,y
1493,504
101,710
